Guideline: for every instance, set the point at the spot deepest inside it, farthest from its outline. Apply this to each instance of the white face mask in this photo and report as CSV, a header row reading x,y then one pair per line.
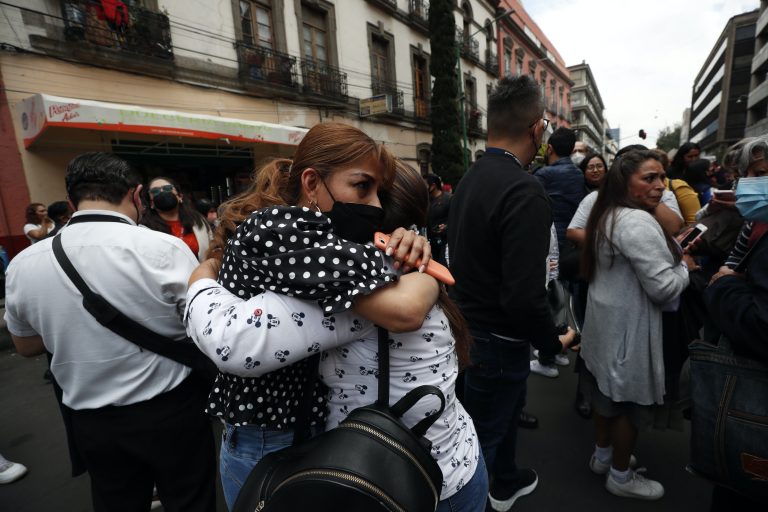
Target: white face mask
x,y
577,158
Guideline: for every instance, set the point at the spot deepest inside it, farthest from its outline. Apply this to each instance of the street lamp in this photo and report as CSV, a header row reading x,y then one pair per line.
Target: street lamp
x,y
461,85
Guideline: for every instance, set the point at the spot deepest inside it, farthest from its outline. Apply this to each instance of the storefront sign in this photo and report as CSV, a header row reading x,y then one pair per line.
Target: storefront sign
x,y
41,111
381,104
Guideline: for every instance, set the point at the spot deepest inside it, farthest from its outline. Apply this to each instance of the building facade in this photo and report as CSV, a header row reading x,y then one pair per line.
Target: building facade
x,y
611,141
204,95
524,49
587,107
721,89
685,126
757,104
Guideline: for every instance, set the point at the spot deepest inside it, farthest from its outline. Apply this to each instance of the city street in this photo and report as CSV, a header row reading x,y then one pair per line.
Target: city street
x,y
31,432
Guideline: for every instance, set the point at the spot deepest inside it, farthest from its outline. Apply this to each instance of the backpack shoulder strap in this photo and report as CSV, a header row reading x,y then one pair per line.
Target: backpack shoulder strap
x,y
383,399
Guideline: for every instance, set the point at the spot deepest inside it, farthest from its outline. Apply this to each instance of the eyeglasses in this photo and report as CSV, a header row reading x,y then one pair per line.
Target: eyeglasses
x,y
546,123
596,167
156,190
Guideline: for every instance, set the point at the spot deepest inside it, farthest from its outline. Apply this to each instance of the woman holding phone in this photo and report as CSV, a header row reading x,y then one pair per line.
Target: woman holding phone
x,y
634,268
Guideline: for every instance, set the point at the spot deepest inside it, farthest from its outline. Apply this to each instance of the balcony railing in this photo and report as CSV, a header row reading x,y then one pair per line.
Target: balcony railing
x,y
418,10
390,5
421,108
491,62
323,79
128,29
470,48
382,87
267,65
474,121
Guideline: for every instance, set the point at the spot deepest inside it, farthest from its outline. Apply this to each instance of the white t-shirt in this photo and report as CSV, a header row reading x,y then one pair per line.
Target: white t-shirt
x,y
579,220
31,227
142,273
426,356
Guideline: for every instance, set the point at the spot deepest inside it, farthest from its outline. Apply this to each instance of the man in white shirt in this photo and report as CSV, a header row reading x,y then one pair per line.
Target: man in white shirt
x,y
136,418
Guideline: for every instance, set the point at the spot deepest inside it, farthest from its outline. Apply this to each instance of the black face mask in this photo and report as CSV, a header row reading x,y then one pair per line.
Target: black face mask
x,y
165,201
355,222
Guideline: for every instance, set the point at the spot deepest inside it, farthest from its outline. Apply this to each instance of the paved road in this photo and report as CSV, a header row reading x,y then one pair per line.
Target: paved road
x,y
31,432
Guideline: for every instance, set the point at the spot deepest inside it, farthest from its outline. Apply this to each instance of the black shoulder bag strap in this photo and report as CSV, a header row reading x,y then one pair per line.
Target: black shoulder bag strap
x,y
182,351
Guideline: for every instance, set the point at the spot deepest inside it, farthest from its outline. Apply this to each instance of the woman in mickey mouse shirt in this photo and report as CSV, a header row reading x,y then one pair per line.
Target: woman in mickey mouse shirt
x,y
260,346
431,355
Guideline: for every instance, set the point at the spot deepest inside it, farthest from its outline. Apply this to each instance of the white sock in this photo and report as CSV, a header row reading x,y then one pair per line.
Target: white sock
x,y
604,455
620,476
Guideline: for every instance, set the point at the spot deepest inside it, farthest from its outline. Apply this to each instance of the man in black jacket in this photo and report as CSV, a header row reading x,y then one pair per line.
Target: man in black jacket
x,y
499,241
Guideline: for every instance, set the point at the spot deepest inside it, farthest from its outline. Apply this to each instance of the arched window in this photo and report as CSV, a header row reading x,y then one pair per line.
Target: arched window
x,y
466,11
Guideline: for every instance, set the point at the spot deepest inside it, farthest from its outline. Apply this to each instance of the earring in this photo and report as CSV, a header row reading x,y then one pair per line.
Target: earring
x,y
313,204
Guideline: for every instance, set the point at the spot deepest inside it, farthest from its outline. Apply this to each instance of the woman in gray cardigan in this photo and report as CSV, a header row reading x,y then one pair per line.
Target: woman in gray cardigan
x,y
635,271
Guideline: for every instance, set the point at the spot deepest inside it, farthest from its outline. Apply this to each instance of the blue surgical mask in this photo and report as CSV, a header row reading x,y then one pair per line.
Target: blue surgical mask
x,y
752,198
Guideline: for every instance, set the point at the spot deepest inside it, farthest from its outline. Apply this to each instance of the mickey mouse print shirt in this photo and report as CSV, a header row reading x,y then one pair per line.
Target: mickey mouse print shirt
x,y
425,356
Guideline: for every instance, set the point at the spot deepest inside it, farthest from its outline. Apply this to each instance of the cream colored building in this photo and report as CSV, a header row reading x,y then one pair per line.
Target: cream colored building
x,y
204,90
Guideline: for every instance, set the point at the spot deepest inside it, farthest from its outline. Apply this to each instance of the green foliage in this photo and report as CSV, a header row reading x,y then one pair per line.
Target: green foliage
x,y
669,138
447,158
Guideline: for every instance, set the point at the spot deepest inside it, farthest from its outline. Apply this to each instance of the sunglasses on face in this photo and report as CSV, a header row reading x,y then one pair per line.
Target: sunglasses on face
x,y
156,190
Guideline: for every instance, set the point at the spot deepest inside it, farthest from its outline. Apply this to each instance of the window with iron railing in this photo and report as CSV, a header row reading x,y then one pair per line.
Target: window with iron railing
x,y
256,22
323,79
315,35
126,28
474,121
387,4
491,62
419,11
470,47
265,64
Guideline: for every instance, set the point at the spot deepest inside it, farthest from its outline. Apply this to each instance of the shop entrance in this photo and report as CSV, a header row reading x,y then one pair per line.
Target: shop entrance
x,y
203,171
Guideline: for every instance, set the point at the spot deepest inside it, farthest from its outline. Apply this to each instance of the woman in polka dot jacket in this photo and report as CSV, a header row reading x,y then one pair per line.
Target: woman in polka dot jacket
x,y
335,169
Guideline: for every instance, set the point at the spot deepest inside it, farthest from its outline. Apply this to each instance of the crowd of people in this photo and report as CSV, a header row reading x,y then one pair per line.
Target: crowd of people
x,y
282,289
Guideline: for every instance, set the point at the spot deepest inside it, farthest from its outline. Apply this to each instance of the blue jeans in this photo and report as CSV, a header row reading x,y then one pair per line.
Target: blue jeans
x,y
242,448
494,395
471,497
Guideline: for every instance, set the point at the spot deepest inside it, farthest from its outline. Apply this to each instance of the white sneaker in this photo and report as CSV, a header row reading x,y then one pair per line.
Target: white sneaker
x,y
545,370
601,468
560,359
636,487
11,471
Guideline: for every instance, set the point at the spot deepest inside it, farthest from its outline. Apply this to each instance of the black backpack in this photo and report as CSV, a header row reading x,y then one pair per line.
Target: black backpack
x,y
370,462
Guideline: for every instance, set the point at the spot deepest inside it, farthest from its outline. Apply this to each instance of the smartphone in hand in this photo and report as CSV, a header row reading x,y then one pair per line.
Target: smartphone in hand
x,y
724,195
434,269
694,234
